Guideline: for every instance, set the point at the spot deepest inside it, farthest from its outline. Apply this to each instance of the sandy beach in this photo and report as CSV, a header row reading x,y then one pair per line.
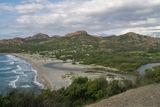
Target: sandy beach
x,y
51,73
55,74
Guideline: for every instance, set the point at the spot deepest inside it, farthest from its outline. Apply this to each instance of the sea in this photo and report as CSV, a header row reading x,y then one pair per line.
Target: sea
x,y
16,73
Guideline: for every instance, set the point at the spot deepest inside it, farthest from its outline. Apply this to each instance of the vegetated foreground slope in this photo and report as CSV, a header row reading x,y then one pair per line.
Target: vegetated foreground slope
x,y
147,96
125,52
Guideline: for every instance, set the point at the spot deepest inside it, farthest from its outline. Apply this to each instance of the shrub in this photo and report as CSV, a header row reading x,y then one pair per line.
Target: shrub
x,y
153,75
82,91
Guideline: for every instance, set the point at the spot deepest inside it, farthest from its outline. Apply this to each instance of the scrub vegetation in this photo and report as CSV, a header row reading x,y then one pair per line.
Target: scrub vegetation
x,y
81,92
125,52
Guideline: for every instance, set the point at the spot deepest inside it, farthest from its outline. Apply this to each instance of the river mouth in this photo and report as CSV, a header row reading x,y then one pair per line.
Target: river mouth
x,y
141,70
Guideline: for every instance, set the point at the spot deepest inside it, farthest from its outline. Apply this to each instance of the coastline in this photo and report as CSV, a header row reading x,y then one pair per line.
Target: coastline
x,y
35,66
55,74
51,77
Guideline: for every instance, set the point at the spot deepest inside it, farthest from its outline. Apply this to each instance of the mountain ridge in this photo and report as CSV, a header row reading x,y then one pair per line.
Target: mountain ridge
x,y
38,36
126,42
77,34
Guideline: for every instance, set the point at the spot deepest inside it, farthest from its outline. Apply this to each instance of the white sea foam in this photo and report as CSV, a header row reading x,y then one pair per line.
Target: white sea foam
x,y
19,68
12,57
21,72
14,71
12,62
25,86
13,83
35,80
9,61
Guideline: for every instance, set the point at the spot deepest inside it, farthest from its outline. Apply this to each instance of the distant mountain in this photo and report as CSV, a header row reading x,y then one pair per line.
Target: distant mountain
x,y
12,41
127,42
131,36
130,41
77,34
80,38
80,46
37,37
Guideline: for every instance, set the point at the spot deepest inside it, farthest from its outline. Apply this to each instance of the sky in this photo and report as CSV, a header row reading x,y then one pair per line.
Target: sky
x,y
21,18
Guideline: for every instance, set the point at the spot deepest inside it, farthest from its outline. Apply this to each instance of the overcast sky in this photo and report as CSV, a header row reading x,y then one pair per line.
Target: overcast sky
x,y
100,17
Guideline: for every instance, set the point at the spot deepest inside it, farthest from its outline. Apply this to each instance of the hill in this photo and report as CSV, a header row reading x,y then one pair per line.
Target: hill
x,y
125,52
11,41
37,37
126,42
147,96
77,34
130,41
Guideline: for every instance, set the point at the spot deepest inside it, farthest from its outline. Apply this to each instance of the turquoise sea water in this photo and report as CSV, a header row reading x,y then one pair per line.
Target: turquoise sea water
x,y
17,73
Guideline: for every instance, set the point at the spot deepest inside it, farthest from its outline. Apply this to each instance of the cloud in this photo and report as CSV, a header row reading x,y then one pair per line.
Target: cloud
x,y
29,8
35,1
5,7
95,16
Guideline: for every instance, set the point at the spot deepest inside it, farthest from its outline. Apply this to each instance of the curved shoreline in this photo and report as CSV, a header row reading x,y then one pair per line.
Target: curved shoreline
x,y
17,73
36,67
55,74
49,76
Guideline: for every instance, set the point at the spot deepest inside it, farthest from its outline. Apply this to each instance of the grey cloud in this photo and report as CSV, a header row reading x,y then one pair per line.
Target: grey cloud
x,y
100,16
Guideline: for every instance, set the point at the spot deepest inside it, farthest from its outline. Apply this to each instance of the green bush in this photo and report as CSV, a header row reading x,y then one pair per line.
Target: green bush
x,y
82,91
153,75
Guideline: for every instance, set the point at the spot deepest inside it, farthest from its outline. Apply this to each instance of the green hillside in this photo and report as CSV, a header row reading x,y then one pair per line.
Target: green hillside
x,y
125,52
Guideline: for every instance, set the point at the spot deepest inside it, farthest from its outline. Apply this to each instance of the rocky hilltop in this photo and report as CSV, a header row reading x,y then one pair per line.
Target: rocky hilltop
x,y
77,34
34,38
38,36
130,41
131,36
126,42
